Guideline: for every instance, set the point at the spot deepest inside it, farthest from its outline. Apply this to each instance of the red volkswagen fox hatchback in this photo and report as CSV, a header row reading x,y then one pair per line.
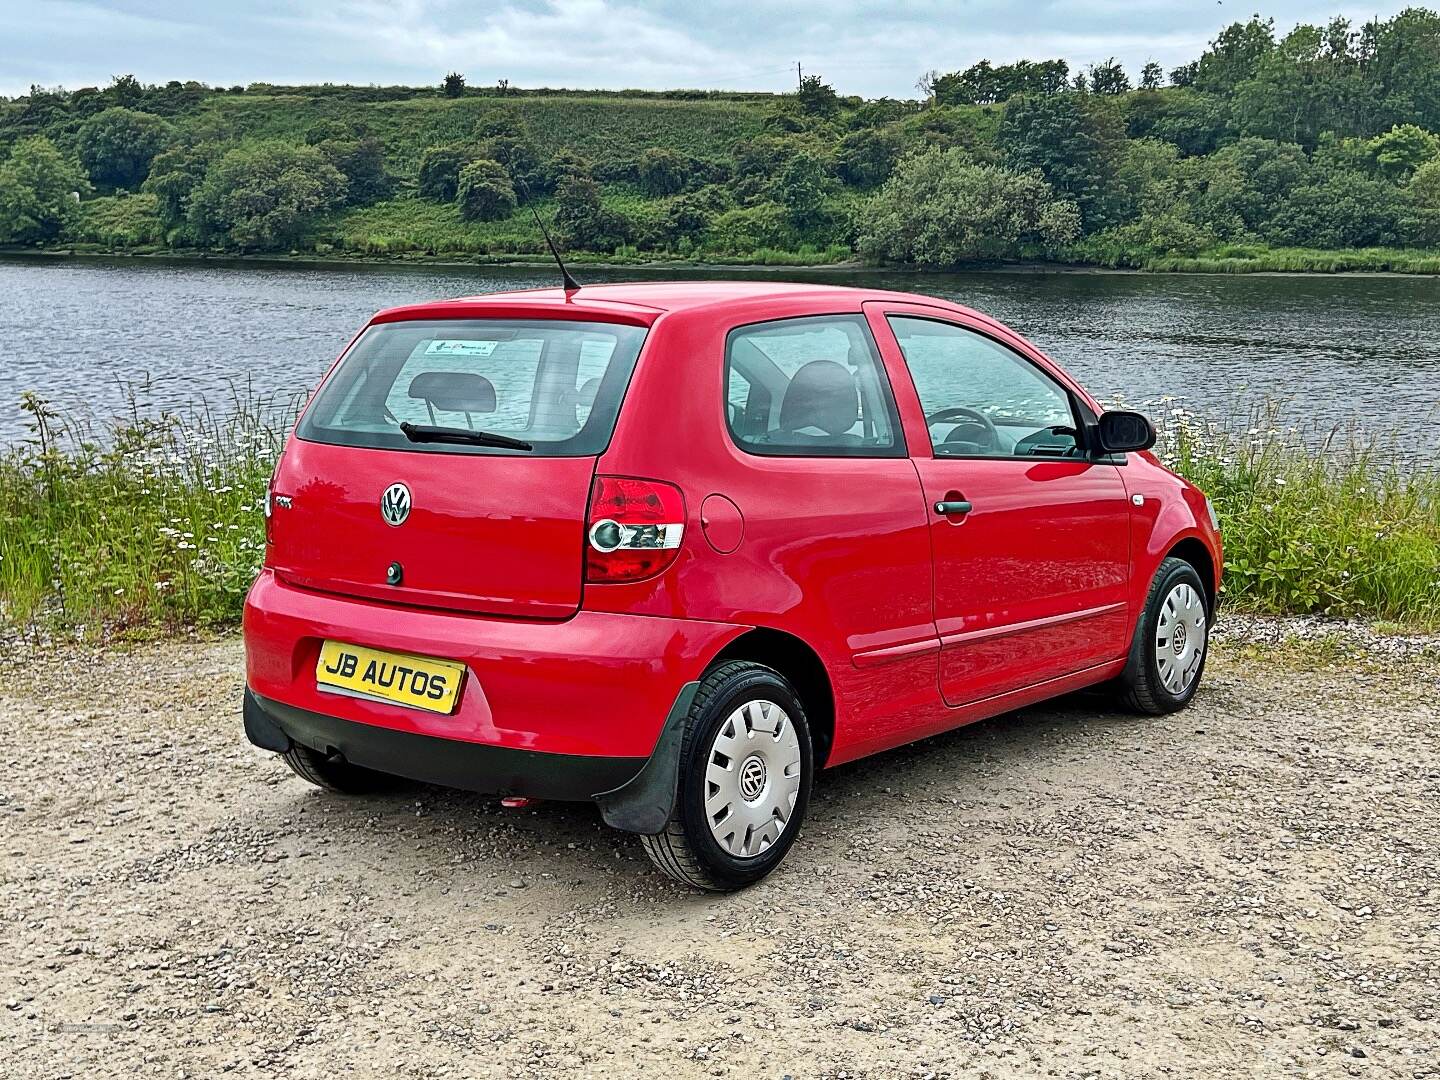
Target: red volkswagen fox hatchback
x,y
673,548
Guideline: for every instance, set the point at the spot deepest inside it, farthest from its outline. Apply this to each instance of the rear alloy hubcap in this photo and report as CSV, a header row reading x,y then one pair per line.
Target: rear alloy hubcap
x,y
1180,638
752,778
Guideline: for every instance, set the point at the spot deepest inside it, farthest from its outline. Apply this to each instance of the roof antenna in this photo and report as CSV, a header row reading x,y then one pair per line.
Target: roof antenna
x,y
569,282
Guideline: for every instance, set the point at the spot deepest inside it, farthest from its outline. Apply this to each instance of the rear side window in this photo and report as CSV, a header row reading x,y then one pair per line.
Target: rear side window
x,y
810,387
554,384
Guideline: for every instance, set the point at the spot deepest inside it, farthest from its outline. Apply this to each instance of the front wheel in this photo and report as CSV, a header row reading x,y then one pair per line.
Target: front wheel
x,y
1167,656
744,782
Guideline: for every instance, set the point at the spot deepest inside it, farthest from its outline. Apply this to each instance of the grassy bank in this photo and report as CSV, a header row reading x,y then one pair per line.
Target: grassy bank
x,y
155,524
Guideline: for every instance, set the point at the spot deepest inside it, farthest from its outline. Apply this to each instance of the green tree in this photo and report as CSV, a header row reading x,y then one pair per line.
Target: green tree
x,y
1307,85
117,145
124,90
662,172
1193,122
485,192
361,160
174,176
262,197
1073,140
866,157
1242,188
1233,56
802,190
1151,76
1108,78
1344,209
1420,218
38,192
583,219
529,172
687,217
817,97
453,85
984,84
440,170
1402,150
940,209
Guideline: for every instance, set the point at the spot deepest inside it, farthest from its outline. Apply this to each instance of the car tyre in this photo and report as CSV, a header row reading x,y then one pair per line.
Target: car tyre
x,y
335,775
1168,653
744,780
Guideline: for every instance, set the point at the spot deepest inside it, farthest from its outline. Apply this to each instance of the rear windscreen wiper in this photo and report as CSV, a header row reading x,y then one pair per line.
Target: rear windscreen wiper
x,y
466,436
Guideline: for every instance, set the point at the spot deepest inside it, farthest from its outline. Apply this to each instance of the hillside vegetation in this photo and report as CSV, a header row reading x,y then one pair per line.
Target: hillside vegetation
x,y
1310,150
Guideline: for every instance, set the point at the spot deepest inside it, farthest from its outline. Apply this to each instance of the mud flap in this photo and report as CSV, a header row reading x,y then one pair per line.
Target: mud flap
x,y
644,803
260,729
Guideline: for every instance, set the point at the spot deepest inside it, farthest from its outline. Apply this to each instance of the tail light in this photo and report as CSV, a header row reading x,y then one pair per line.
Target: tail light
x,y
267,505
633,530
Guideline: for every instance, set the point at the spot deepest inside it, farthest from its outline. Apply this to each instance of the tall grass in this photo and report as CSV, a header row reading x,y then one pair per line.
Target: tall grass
x,y
1333,525
155,523
1253,259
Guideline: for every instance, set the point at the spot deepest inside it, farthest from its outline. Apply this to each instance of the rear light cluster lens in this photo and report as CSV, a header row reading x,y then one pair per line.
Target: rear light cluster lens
x,y
267,505
634,528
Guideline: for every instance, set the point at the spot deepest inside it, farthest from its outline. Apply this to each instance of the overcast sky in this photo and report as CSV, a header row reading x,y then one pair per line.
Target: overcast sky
x,y
869,48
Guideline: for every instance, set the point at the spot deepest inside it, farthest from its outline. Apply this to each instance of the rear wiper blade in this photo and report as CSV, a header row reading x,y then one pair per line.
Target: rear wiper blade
x,y
465,436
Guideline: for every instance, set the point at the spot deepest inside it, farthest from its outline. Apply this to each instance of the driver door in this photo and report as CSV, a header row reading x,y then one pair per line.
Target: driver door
x,y
1030,538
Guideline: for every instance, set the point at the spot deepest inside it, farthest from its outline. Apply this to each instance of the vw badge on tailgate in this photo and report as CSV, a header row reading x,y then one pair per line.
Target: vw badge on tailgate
x,y
395,504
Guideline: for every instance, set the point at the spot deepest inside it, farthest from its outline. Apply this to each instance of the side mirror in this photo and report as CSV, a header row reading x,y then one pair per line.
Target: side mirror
x,y
1121,431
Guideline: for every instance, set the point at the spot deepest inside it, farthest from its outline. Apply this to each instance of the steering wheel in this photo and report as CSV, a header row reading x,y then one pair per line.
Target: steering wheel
x,y
974,418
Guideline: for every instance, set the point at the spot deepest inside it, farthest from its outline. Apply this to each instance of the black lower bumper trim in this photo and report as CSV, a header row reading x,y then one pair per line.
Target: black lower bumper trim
x,y
491,770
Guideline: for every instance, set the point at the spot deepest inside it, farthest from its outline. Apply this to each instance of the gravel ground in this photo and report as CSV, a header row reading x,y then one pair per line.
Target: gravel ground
x,y
1250,887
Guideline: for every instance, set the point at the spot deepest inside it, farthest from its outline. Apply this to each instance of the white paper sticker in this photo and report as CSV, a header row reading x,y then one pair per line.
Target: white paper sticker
x,y
442,347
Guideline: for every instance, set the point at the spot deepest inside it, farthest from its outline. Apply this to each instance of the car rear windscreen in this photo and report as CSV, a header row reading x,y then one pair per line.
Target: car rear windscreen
x,y
554,384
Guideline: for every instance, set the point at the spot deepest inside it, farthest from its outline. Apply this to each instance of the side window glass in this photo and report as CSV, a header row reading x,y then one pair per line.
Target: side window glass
x,y
809,387
982,399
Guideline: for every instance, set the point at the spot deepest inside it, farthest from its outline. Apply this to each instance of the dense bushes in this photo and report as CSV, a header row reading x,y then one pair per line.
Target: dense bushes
x,y
262,197
39,193
484,191
1322,138
941,210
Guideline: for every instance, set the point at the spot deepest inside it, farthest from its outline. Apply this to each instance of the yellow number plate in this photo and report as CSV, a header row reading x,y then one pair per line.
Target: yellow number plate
x,y
415,681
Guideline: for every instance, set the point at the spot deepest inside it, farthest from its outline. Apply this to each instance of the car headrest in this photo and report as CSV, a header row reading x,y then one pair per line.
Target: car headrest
x,y
585,396
454,391
822,394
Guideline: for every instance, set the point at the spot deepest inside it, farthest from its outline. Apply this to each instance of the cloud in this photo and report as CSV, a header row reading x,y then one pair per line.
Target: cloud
x,y
860,46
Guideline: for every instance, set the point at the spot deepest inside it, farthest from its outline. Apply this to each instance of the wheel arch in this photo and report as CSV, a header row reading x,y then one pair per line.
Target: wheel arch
x,y
802,666
1193,551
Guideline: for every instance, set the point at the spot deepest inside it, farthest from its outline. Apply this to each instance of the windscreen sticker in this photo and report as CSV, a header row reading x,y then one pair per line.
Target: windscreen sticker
x,y
444,347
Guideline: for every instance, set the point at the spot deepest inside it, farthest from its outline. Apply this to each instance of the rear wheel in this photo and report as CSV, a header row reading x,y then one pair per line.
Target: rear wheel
x,y
1167,656
745,772
335,775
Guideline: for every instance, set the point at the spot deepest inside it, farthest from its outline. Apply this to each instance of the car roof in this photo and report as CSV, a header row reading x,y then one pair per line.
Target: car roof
x,y
645,300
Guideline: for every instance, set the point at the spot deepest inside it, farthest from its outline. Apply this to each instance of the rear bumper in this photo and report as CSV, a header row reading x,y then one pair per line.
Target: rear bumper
x,y
491,770
598,685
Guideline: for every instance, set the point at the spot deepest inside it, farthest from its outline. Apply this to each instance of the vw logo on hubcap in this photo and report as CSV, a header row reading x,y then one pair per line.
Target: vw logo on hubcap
x,y
752,778
395,504
1178,640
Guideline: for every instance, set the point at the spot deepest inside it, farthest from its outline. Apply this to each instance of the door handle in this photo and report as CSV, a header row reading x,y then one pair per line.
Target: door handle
x,y
954,506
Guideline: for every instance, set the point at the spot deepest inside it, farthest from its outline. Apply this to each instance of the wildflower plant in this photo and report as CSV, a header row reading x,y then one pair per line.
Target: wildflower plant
x,y
154,522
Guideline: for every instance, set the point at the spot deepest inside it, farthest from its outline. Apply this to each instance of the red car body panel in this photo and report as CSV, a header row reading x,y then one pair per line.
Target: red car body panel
x,y
921,622
547,687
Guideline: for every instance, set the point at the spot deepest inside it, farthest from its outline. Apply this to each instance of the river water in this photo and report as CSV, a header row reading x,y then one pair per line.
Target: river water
x,y
1326,352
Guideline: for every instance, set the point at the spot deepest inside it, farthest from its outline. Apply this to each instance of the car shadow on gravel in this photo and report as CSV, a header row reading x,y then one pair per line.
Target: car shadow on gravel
x,y
437,823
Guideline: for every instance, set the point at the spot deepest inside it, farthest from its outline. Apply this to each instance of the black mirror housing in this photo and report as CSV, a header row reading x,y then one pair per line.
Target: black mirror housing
x,y
1121,431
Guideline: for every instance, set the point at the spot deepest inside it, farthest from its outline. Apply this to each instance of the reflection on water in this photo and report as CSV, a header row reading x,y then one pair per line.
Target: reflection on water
x,y
1332,350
